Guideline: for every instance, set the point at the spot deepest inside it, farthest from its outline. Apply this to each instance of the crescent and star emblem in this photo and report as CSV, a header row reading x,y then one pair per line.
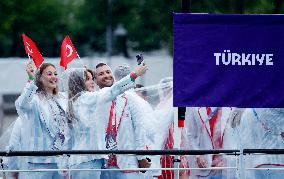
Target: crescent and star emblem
x,y
70,50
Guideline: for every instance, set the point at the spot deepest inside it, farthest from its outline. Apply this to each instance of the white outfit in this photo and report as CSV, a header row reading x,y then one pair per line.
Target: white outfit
x,y
15,145
199,135
15,163
131,130
45,126
91,111
232,141
262,128
129,117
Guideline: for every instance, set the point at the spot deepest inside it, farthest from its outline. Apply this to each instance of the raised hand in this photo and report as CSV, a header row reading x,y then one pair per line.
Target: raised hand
x,y
30,69
141,70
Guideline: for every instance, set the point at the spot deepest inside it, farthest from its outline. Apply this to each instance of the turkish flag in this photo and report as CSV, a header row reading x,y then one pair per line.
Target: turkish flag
x,y
68,52
32,50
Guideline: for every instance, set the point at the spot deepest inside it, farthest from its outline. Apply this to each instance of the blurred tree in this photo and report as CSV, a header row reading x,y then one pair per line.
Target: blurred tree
x,y
89,26
148,22
41,20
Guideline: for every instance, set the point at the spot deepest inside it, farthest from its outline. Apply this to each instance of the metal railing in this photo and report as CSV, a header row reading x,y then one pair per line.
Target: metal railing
x,y
240,170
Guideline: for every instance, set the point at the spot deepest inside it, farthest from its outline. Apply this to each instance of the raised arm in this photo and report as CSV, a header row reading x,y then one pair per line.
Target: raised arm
x,y
25,100
110,93
107,94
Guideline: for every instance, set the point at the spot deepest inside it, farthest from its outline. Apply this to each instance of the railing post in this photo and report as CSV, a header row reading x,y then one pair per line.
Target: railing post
x,y
242,164
177,139
238,166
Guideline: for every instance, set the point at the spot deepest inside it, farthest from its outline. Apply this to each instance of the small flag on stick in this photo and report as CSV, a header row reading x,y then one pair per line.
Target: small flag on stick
x,y
68,52
32,50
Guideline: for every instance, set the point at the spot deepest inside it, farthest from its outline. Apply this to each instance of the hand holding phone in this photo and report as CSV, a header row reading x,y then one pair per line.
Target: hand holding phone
x,y
140,59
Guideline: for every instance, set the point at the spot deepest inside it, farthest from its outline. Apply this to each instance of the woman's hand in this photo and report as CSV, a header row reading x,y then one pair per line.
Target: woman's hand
x,y
30,69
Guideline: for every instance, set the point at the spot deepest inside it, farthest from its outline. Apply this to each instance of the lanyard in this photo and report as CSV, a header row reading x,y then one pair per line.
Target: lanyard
x,y
112,125
211,115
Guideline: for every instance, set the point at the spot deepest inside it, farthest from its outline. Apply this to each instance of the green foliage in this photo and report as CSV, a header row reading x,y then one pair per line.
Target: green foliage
x,y
38,19
148,22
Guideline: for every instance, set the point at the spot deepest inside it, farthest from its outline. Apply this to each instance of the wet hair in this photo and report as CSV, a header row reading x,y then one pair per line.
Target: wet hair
x,y
92,73
76,85
39,83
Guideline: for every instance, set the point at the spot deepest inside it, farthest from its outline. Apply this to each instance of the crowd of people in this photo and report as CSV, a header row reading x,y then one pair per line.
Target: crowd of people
x,y
214,128
77,116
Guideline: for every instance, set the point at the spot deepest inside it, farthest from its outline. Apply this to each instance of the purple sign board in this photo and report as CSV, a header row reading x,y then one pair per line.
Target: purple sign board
x,y
229,60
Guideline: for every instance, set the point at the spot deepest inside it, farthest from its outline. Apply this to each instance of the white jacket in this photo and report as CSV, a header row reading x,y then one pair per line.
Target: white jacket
x,y
198,134
39,130
91,111
261,128
15,144
131,135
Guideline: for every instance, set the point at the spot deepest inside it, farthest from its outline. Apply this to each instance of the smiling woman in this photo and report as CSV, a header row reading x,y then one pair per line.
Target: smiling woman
x,y
46,79
42,109
88,111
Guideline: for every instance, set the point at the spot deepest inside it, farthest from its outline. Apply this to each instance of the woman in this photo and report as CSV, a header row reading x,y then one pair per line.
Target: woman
x,y
89,112
46,124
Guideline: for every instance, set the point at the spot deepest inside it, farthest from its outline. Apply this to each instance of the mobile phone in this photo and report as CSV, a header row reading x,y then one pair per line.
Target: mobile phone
x,y
139,58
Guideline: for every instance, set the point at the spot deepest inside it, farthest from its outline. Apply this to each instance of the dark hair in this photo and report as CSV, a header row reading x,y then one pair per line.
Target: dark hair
x,y
92,73
139,86
76,84
100,64
38,75
144,92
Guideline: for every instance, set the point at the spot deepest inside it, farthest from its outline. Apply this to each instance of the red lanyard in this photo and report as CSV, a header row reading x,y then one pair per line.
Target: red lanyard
x,y
214,119
112,113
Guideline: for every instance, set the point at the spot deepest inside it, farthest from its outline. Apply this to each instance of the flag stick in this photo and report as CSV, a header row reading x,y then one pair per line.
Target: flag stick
x,y
80,61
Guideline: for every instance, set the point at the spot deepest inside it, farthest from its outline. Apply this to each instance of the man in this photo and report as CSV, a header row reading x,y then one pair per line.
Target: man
x,y
205,129
125,130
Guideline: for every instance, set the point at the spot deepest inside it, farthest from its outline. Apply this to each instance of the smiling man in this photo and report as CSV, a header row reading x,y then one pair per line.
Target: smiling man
x,y
125,130
103,75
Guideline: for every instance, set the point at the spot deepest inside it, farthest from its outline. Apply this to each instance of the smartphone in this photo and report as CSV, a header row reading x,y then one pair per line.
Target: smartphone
x,y
139,58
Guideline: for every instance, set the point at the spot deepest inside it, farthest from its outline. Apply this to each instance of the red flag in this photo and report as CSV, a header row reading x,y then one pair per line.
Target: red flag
x,y
68,52
32,50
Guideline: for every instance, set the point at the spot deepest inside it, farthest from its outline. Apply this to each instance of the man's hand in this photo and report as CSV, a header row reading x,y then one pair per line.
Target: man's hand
x,y
201,162
141,70
144,163
218,162
15,175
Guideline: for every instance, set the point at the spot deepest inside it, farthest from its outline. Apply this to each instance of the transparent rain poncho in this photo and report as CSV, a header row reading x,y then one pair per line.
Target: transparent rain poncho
x,y
243,128
159,97
73,85
160,127
262,128
42,125
240,128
